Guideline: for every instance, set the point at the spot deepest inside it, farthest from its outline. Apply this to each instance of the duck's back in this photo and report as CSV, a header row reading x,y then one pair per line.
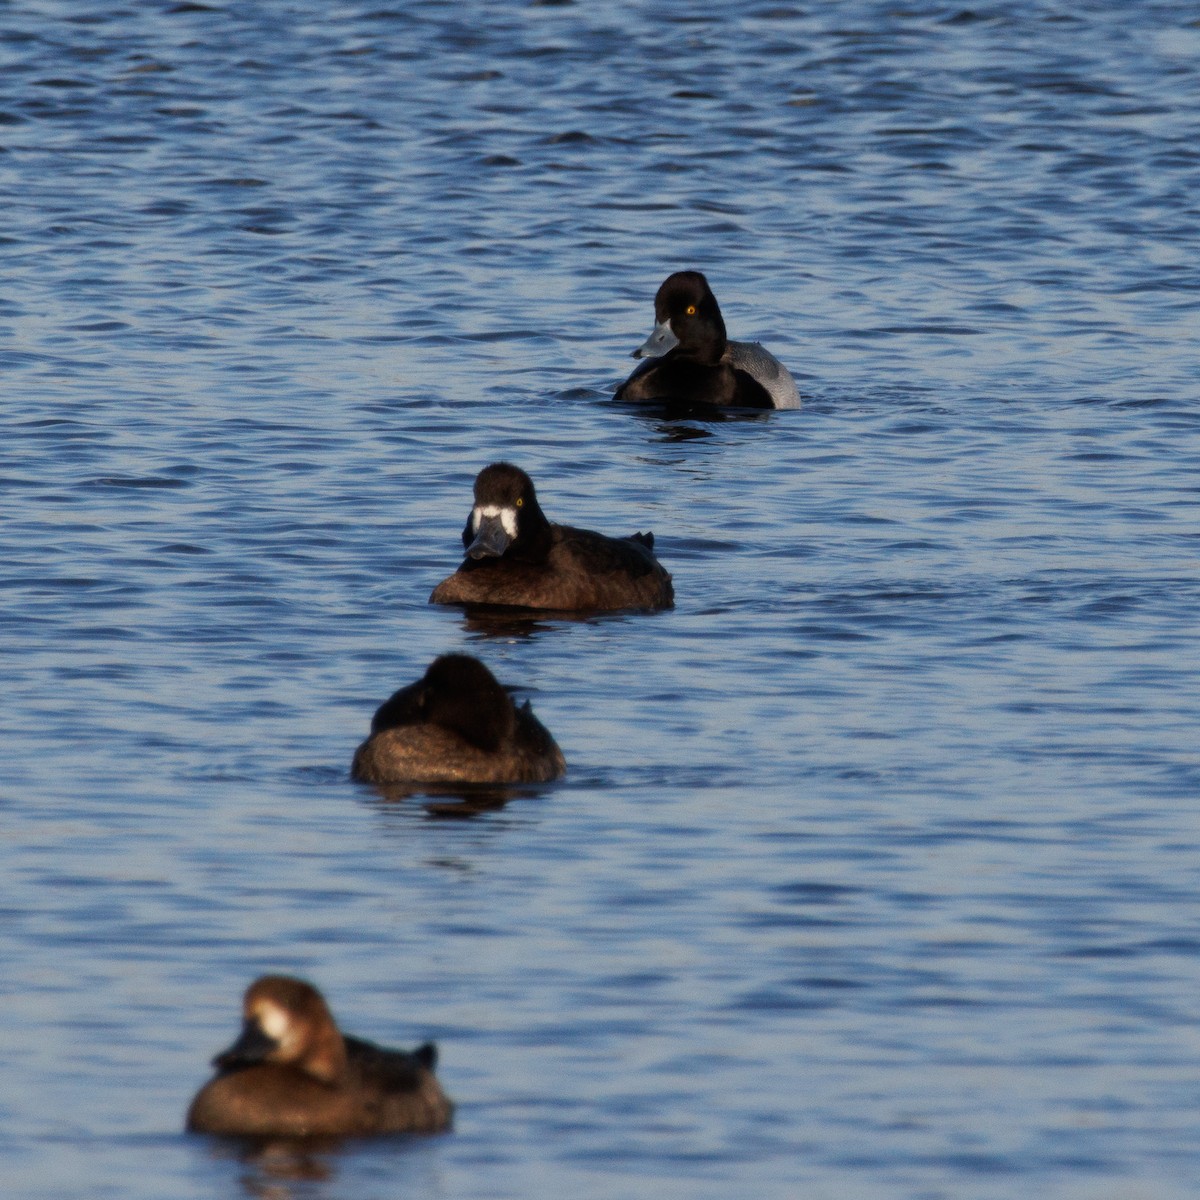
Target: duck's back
x,y
583,571
400,1092
432,754
766,370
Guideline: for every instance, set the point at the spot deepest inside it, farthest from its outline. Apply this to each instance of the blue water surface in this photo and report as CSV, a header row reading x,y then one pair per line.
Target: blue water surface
x,y
876,871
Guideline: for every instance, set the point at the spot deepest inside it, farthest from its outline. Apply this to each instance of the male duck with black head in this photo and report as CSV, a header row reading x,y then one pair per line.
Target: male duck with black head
x,y
291,1073
456,725
691,361
517,559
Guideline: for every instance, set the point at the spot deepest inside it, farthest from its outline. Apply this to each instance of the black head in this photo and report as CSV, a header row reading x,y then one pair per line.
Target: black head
x,y
686,305
506,521
458,693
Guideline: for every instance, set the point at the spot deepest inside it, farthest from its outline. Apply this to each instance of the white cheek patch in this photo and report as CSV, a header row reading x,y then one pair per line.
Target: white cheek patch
x,y
508,517
273,1021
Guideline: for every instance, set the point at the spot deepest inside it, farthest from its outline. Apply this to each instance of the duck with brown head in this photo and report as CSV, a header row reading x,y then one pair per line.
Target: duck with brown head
x,y
291,1073
456,725
516,558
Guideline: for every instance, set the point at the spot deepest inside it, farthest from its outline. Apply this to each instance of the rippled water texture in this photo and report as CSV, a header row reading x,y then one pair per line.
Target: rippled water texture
x,y
876,870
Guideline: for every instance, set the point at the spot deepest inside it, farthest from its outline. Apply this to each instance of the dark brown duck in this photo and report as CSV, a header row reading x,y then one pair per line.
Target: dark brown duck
x,y
291,1073
456,725
517,559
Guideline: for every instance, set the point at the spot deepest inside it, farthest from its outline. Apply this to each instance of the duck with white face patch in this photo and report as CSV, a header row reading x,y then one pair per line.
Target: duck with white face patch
x,y
494,529
516,558
293,1073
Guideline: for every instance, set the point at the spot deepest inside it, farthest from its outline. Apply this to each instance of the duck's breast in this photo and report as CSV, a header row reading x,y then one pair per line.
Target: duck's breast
x,y
276,1101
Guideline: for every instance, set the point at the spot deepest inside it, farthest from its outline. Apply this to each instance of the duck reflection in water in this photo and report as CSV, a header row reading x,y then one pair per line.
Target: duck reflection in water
x,y
281,1168
460,801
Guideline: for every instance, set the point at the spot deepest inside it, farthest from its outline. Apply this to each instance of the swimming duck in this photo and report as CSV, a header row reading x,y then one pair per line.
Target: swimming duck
x,y
518,559
456,725
292,1074
692,361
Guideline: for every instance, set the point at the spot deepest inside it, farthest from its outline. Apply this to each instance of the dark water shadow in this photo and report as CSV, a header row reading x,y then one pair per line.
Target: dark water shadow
x,y
451,801
274,1165
674,432
284,1168
481,622
683,421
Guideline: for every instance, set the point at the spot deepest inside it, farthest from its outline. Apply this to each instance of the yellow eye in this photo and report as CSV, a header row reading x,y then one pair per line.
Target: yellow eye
x,y
520,501
691,310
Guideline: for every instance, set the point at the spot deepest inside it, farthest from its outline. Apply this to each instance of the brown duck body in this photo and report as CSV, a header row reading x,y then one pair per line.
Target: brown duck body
x,y
432,754
456,725
292,1073
581,570
382,1091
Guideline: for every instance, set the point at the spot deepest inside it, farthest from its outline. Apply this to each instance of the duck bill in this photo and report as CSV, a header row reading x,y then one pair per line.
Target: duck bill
x,y
491,539
662,338
253,1046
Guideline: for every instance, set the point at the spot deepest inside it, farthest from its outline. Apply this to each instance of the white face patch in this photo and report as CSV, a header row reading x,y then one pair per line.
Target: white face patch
x,y
273,1021
508,517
